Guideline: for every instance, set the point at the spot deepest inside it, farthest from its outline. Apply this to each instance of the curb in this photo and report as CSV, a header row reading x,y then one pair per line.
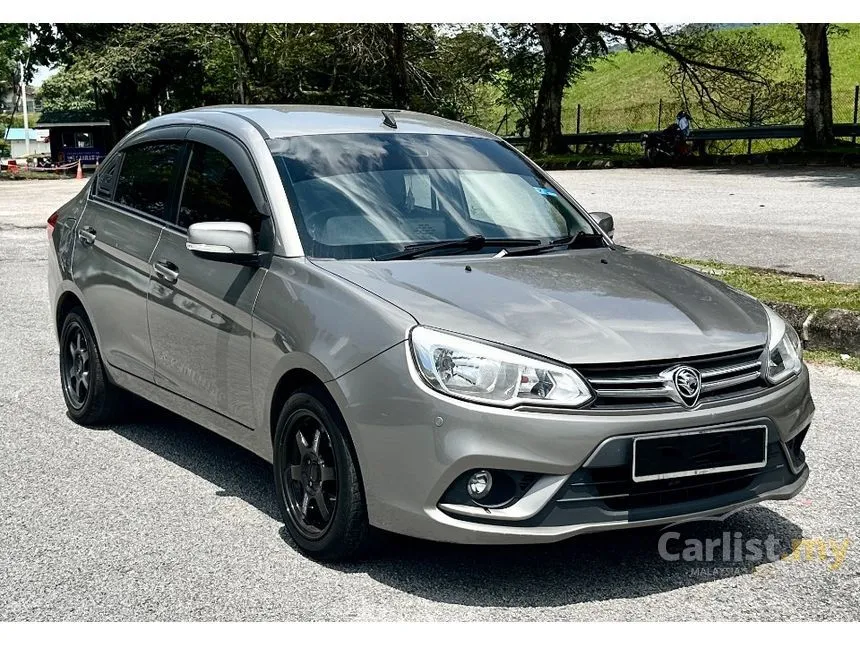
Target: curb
x,y
834,329
590,164
773,160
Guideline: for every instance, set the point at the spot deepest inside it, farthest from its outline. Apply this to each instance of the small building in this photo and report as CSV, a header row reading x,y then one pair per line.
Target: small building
x,y
10,100
17,138
77,134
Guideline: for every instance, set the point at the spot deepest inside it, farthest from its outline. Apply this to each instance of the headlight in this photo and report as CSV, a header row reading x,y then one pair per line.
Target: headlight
x,y
784,349
475,371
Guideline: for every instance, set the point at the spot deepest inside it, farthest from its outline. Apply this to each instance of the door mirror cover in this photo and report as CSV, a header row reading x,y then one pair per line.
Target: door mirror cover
x,y
606,222
224,241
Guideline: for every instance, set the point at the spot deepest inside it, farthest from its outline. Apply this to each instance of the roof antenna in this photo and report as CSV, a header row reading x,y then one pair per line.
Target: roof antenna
x,y
388,120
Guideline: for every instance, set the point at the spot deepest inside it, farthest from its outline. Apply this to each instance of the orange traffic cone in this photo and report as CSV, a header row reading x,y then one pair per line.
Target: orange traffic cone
x,y
80,173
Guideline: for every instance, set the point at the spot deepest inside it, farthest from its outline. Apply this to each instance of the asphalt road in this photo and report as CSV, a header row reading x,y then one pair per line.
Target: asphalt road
x,y
798,219
158,519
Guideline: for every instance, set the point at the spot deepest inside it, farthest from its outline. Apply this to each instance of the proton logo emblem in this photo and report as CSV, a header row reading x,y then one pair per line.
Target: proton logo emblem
x,y
688,385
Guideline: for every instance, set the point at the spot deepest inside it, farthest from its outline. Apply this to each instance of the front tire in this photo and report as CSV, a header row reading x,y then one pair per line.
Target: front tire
x,y
317,480
91,398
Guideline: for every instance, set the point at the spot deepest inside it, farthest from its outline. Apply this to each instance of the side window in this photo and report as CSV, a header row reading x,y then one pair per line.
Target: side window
x,y
106,179
214,191
144,179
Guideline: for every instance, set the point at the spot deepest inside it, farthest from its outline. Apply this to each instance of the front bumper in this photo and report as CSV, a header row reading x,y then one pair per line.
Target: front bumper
x,y
412,443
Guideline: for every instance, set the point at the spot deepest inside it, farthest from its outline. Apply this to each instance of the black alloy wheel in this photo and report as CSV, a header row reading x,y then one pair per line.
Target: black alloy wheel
x,y
76,366
91,398
311,474
317,481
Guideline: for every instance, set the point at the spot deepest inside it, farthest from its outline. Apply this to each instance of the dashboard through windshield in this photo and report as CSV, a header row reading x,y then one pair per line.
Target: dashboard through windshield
x,y
364,195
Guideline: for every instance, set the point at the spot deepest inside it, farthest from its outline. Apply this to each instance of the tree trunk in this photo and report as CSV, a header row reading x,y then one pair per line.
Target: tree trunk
x,y
397,66
818,106
545,127
116,117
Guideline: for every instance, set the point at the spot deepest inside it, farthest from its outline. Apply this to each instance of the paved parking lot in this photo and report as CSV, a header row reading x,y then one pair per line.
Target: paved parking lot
x,y
159,519
799,219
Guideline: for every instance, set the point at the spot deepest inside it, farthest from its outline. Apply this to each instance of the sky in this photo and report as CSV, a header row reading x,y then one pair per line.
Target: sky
x,y
41,73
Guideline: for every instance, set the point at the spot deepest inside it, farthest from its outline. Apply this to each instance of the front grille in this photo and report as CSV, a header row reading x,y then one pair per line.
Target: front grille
x,y
639,385
614,488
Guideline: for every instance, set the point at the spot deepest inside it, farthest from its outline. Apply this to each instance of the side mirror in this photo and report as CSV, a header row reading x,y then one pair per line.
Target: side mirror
x,y
606,222
222,241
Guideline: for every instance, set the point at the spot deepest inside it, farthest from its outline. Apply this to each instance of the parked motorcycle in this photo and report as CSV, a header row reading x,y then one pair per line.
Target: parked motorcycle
x,y
670,143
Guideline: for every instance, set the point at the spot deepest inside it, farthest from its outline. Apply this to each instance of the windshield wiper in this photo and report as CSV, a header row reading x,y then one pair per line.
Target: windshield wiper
x,y
581,240
471,243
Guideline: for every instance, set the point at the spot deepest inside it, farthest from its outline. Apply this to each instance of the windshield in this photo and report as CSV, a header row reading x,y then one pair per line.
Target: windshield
x,y
365,195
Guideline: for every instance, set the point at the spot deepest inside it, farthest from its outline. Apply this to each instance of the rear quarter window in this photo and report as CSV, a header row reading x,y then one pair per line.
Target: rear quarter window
x,y
106,179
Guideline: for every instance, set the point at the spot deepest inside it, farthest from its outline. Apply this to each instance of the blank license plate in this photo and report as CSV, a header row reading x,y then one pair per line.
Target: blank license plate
x,y
685,454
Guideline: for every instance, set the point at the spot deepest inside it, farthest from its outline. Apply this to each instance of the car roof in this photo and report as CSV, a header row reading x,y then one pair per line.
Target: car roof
x,y
276,121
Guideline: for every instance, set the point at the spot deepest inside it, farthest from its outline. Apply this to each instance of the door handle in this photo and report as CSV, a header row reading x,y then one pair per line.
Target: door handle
x,y
167,271
87,235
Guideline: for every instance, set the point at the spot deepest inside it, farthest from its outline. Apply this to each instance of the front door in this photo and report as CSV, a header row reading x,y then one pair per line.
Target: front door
x,y
200,309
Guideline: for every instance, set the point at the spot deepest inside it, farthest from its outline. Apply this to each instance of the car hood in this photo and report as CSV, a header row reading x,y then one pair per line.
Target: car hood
x,y
582,306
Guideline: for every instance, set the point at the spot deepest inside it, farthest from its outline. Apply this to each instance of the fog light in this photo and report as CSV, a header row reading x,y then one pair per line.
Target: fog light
x,y
479,484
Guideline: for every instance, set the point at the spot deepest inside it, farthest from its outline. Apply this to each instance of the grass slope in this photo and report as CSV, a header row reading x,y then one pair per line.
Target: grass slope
x,y
625,88
771,285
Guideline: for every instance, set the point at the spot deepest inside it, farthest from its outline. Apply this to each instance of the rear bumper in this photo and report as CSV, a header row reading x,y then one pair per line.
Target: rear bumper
x,y
413,443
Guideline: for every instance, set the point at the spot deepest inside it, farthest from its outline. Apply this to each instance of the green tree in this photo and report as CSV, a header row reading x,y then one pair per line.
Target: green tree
x,y
731,75
13,50
412,66
68,89
718,72
520,79
560,51
462,62
566,51
137,71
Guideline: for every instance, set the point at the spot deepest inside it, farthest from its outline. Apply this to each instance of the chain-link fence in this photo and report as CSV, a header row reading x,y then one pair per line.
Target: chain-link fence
x,y
651,116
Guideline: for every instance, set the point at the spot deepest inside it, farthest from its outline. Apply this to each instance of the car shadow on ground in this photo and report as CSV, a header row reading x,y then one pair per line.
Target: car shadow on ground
x,y
826,176
615,564
586,568
236,471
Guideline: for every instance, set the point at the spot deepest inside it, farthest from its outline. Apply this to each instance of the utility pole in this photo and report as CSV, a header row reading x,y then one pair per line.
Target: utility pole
x,y
26,118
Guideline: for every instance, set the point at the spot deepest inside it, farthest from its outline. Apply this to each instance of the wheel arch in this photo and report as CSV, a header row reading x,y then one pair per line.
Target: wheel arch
x,y
69,298
298,378
290,382
299,370
67,301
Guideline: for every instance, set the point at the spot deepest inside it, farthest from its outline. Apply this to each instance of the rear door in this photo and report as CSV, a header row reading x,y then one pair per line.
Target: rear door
x,y
200,309
130,202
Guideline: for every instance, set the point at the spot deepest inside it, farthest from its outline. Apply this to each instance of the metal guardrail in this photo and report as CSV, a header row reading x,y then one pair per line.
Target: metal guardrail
x,y
700,135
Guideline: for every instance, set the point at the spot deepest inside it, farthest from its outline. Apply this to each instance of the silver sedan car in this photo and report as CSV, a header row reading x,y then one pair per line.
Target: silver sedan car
x,y
420,330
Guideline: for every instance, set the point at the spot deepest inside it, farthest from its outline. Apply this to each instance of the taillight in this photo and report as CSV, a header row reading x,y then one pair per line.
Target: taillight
x,y
52,222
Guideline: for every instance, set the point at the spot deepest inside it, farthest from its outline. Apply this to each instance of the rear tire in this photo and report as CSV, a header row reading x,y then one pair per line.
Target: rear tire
x,y
90,397
317,482
651,156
